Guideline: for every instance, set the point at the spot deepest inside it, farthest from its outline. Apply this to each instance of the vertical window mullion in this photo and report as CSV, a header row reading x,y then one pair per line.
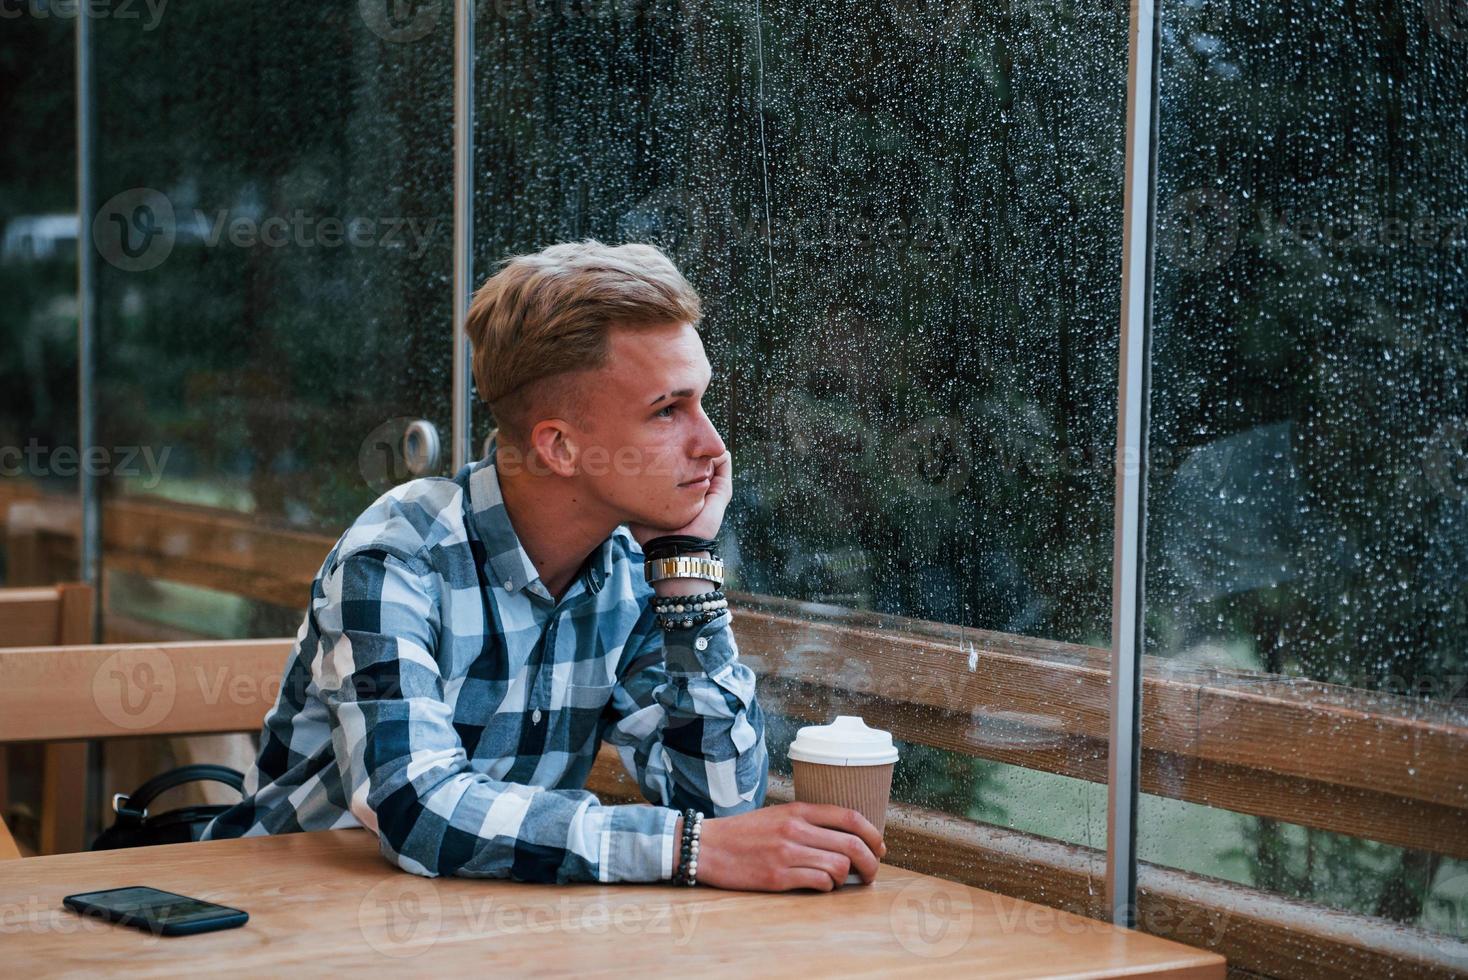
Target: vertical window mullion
x,y
1124,750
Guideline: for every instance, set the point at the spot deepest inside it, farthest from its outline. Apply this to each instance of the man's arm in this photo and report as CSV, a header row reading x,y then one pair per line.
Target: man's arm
x,y
406,772
704,757
686,720
798,845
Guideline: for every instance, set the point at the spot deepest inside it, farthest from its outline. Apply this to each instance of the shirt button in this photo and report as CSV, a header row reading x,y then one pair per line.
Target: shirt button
x,y
701,643
535,717
509,586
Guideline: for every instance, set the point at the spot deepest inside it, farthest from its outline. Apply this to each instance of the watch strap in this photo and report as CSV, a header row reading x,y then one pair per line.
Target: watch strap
x,y
684,566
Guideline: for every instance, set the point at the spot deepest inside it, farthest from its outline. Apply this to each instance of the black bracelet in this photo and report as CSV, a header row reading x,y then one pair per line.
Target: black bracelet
x,y
688,852
688,621
673,545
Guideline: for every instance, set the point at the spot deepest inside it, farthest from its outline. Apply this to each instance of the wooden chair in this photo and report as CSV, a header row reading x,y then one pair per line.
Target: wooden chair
x,y
52,615
40,535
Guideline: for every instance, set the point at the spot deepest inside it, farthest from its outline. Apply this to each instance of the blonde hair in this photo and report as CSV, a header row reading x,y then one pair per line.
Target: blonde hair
x,y
542,316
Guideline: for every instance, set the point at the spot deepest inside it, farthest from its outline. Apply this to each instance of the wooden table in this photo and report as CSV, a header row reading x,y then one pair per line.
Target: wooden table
x,y
328,902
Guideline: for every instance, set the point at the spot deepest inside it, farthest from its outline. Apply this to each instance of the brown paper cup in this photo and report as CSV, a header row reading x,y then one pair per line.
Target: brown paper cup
x,y
864,789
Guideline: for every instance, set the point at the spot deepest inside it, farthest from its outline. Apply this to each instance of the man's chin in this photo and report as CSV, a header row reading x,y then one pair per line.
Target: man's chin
x,y
683,515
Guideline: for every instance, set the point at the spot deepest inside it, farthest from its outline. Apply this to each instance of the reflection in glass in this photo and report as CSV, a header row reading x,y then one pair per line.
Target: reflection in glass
x,y
274,223
1307,507
38,232
274,307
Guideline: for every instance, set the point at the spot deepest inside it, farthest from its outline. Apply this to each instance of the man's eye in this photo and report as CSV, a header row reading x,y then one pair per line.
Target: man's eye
x,y
668,409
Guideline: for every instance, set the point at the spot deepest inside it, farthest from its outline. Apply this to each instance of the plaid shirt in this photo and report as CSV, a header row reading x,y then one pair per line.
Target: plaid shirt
x,y
440,696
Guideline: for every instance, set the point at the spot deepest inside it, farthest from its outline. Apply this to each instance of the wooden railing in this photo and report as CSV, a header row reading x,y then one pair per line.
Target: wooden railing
x,y
1349,761
1354,762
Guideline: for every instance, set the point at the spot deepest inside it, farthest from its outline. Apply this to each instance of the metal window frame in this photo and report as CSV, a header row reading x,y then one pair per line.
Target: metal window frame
x,y
1130,534
89,550
463,282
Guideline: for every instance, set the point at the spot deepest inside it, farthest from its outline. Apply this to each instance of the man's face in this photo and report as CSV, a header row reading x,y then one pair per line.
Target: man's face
x,y
649,436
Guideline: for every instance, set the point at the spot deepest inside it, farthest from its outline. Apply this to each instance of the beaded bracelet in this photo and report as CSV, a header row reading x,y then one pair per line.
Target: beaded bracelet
x,y
688,865
686,612
665,604
676,610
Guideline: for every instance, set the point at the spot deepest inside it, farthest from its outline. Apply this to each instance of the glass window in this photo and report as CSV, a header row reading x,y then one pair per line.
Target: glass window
x,y
38,229
906,231
1308,507
275,226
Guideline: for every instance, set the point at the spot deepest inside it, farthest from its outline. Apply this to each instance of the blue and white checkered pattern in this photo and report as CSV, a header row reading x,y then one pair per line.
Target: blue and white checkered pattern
x,y
440,696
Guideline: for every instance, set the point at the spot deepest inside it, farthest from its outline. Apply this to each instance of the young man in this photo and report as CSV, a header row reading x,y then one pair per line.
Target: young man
x,y
470,642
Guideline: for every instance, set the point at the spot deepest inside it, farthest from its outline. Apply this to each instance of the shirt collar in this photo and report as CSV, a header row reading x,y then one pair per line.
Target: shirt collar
x,y
510,566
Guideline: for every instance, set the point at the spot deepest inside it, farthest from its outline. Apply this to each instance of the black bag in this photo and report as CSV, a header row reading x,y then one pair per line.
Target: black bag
x,y
136,827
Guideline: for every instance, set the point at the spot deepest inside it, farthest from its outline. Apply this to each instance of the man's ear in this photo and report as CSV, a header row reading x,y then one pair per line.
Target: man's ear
x,y
553,448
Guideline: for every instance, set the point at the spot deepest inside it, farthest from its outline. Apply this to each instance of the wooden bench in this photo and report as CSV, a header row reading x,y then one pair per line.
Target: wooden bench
x,y
117,690
65,695
50,615
8,848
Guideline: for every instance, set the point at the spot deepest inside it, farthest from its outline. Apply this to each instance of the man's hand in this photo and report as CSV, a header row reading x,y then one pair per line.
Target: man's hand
x,y
711,518
795,845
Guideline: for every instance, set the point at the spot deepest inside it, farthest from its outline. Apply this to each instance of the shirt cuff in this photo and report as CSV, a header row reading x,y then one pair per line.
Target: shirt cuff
x,y
638,843
704,649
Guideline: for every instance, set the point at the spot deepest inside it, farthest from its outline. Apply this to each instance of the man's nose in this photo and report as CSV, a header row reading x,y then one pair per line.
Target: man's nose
x,y
710,445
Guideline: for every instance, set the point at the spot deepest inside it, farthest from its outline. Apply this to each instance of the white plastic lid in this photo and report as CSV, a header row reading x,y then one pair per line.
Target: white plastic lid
x,y
847,741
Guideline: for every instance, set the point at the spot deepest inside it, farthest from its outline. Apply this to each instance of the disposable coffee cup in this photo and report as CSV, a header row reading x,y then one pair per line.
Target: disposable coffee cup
x,y
846,764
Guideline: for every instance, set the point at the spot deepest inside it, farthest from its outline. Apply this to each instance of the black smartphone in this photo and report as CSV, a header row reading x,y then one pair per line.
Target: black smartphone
x,y
159,912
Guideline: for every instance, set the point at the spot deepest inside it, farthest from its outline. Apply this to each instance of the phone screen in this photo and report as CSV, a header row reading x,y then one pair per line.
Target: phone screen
x,y
152,905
